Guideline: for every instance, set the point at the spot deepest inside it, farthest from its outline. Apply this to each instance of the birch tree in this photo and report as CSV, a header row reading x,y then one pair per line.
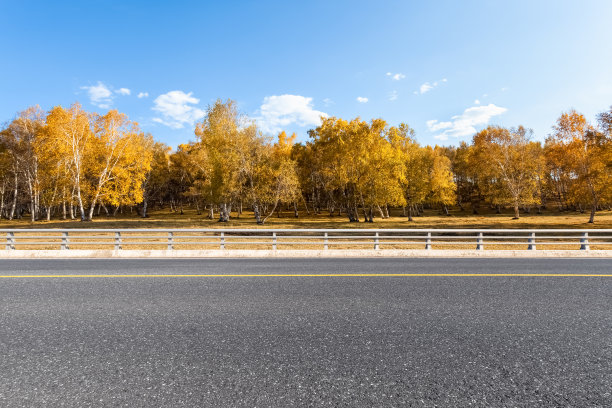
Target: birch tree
x,y
585,156
511,161
71,131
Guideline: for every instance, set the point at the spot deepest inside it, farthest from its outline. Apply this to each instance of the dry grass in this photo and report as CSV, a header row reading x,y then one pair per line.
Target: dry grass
x,y
211,240
431,219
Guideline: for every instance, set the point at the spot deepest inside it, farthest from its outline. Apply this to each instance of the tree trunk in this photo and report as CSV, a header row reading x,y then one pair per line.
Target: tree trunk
x,y
380,211
351,214
271,212
223,213
446,210
295,210
14,205
90,213
257,214
516,211
49,213
2,202
82,209
410,212
592,216
145,204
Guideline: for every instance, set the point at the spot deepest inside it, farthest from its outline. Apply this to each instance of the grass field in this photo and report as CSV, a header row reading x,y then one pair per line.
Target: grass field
x,y
430,219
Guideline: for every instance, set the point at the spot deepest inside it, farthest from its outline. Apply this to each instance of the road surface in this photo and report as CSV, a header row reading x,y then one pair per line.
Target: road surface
x,y
485,340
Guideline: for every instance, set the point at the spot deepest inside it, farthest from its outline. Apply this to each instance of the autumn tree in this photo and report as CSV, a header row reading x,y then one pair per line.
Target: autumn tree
x,y
416,188
21,138
442,184
8,178
359,164
383,180
69,159
229,147
584,154
156,181
281,173
71,131
604,141
115,162
466,177
510,160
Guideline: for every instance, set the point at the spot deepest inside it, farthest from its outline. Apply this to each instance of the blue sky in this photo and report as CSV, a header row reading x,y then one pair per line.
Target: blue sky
x,y
447,68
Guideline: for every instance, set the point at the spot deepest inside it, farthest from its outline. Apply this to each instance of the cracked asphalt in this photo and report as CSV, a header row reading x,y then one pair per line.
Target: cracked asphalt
x,y
306,341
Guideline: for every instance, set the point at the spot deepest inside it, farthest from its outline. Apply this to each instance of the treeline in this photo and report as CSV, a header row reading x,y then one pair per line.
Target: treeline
x,y
68,163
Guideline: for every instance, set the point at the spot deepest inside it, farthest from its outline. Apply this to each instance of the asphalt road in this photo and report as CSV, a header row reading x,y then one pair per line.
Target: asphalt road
x,y
306,341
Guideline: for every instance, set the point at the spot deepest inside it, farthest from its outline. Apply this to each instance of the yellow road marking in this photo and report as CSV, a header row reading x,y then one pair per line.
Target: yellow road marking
x,y
314,275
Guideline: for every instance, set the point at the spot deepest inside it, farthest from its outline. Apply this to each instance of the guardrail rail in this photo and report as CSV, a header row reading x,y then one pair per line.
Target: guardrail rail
x,y
325,239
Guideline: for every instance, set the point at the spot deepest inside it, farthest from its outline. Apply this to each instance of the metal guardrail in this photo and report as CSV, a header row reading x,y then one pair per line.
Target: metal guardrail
x,y
378,239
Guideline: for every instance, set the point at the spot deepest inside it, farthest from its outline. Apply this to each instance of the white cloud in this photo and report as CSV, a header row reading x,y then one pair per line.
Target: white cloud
x,y
279,111
396,77
465,124
434,125
476,102
328,102
362,99
123,91
143,95
99,95
504,89
102,96
176,110
393,95
426,87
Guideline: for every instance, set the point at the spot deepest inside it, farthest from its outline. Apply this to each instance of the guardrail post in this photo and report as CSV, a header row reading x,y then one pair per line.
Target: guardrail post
x,y
117,240
428,241
274,241
10,240
65,241
532,242
170,241
325,241
584,241
480,242
222,240
376,242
